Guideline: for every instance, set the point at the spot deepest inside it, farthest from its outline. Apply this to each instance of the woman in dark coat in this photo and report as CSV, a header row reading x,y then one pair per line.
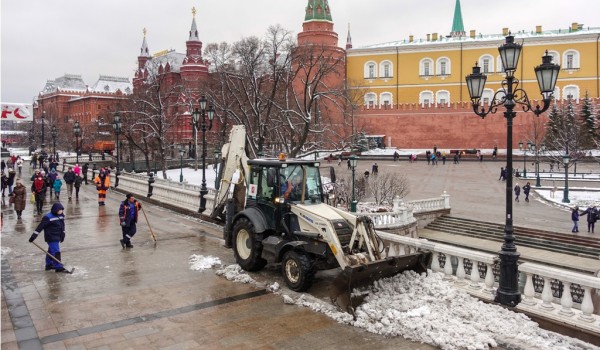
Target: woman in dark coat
x,y
20,198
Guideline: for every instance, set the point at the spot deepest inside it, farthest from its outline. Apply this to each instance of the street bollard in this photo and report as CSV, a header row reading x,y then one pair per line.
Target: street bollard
x,y
150,182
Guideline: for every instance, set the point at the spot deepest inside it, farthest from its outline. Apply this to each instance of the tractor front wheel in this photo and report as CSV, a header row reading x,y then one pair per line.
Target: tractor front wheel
x,y
298,270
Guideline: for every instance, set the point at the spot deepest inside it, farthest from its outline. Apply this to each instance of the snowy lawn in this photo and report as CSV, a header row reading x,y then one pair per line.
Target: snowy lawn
x,y
581,197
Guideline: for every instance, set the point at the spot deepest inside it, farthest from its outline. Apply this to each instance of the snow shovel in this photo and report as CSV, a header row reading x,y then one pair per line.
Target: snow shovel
x,y
52,257
343,288
150,227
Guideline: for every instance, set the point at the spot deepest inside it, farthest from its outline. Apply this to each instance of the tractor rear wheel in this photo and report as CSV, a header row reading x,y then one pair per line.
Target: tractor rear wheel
x,y
298,270
246,247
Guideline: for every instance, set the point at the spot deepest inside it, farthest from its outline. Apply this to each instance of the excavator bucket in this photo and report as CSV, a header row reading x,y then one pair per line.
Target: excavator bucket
x,y
360,276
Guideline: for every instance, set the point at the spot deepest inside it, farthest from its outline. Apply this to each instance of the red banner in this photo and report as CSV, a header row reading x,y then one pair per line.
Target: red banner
x,y
17,111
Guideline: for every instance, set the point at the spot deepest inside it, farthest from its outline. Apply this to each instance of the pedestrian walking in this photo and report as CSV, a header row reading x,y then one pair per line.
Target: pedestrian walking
x,y
19,198
128,217
94,168
443,158
349,166
102,182
77,169
4,183
526,190
50,180
575,219
428,156
34,160
502,174
375,169
77,185
455,158
38,188
517,190
57,185
20,166
592,216
3,165
64,163
53,225
69,177
84,172
11,180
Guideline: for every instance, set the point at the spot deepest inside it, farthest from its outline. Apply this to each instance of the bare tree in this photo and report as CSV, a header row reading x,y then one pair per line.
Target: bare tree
x,y
563,135
385,187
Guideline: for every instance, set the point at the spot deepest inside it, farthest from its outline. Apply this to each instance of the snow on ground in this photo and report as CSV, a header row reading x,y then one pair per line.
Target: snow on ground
x,y
4,251
201,262
580,197
426,308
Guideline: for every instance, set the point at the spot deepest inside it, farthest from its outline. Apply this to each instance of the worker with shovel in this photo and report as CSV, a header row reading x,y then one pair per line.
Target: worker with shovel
x,y
128,217
53,225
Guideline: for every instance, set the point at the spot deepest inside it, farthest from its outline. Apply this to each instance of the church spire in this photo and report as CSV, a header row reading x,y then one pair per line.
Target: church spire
x,y
458,29
348,39
318,10
144,50
194,29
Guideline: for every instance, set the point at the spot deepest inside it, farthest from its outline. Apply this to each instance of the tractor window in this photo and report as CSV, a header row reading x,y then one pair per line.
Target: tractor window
x,y
295,176
267,185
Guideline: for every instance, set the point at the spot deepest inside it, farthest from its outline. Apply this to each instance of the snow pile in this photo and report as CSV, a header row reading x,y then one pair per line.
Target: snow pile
x,y
5,251
274,288
236,274
201,262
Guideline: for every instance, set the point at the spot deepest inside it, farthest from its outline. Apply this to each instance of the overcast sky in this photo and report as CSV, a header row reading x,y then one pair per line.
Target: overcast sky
x,y
44,39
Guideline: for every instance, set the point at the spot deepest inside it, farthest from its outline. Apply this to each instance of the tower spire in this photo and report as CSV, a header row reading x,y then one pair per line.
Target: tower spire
x,y
348,39
458,29
194,29
144,50
318,10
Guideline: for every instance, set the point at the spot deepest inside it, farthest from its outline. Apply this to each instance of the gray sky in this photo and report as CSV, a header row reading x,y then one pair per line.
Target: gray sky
x,y
44,39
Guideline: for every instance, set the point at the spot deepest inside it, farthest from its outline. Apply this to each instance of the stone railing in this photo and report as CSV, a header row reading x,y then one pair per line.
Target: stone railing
x,y
85,158
543,291
431,204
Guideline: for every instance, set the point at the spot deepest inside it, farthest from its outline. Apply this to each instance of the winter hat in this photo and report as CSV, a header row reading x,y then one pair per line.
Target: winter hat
x,y
56,207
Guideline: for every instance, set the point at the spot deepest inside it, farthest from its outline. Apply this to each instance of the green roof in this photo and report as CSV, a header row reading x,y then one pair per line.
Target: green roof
x,y
318,10
457,23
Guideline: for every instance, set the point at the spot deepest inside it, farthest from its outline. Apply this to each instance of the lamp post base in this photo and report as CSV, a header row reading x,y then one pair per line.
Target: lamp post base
x,y
508,290
203,192
537,182
353,206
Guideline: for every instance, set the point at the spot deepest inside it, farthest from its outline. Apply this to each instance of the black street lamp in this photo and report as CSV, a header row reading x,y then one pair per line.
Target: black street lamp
x,y
566,166
217,152
43,118
117,129
54,132
509,96
529,147
353,163
195,123
211,114
537,165
77,132
181,153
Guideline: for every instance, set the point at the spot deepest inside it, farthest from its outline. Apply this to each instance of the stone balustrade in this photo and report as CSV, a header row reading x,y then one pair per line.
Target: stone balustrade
x,y
477,273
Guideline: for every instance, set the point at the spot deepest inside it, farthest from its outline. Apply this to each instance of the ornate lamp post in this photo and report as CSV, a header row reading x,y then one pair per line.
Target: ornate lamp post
x,y
509,96
195,121
217,157
566,166
537,165
54,132
43,118
353,163
181,153
117,128
77,132
529,147
211,114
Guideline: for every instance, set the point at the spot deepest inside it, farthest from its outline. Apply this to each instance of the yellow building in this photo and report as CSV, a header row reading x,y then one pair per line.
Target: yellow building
x,y
431,71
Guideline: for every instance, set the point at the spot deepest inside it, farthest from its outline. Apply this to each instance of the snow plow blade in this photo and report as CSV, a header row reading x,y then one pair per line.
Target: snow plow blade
x,y
360,276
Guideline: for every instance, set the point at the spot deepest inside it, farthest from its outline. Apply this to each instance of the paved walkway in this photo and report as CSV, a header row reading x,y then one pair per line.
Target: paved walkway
x,y
148,297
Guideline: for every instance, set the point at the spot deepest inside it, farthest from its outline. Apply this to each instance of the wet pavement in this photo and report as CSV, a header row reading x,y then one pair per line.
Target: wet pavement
x,y
149,298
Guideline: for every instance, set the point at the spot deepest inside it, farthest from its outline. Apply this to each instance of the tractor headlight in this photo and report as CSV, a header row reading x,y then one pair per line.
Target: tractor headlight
x,y
279,200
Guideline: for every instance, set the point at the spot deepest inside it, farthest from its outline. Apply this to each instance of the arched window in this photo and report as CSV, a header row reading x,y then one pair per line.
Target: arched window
x,y
370,100
370,70
499,67
555,56
426,98
442,97
385,69
571,92
486,97
426,67
385,99
571,59
486,62
443,66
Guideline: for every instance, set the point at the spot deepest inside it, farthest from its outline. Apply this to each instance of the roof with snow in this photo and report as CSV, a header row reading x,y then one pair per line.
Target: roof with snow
x,y
564,33
174,59
109,84
68,82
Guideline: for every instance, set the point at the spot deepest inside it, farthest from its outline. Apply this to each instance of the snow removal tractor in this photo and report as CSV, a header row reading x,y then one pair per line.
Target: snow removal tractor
x,y
274,211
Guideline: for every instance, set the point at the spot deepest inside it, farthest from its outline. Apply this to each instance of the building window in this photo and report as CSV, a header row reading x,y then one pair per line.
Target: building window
x,y
571,59
425,98
443,97
487,96
486,63
370,100
386,100
443,66
370,70
385,69
555,57
571,92
425,67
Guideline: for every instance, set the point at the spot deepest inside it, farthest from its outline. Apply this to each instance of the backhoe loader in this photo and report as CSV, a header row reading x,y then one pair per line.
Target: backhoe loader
x,y
276,212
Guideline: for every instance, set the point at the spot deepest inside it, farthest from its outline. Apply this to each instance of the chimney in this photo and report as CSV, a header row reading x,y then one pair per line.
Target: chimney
x,y
434,36
505,31
428,37
574,27
472,34
538,29
411,38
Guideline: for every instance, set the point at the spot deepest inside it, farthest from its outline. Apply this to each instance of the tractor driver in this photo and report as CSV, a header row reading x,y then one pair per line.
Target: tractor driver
x,y
292,189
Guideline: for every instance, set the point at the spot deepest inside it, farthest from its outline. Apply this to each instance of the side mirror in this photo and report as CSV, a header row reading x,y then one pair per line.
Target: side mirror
x,y
332,173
